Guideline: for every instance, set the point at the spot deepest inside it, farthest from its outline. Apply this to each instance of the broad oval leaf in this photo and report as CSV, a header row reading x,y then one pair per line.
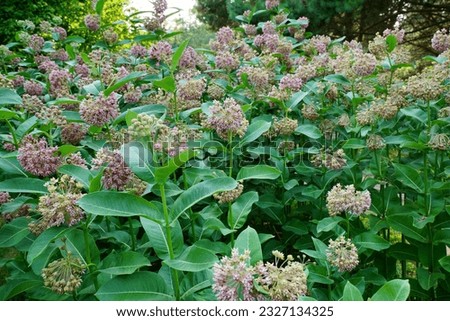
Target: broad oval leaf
x,y
119,263
351,293
240,209
258,172
328,223
248,240
254,131
309,130
200,191
178,54
42,242
193,259
80,174
409,176
162,173
139,286
394,290
9,97
121,82
371,241
24,185
167,84
112,203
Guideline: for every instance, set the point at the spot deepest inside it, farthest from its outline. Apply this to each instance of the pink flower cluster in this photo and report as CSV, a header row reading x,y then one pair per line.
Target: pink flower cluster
x,y
99,110
36,157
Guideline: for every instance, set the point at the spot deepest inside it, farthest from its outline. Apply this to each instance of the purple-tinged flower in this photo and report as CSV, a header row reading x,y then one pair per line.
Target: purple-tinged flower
x,y
399,34
347,199
161,51
92,22
4,197
60,54
139,51
36,157
291,82
225,35
59,82
189,59
110,36
270,4
99,110
250,30
33,88
72,133
36,43
441,40
227,61
227,119
269,28
61,32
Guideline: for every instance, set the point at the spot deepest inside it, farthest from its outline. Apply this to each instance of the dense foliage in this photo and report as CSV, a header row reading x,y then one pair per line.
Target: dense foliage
x,y
276,165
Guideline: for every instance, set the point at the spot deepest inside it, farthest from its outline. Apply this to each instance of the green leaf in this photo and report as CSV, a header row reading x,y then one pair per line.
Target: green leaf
x,y
296,99
403,222
7,114
318,274
76,243
121,82
351,293
137,157
394,290
403,251
309,130
95,183
163,173
99,7
354,143
445,263
240,209
112,203
178,54
258,172
338,79
23,185
118,263
328,223
26,126
296,226
42,242
167,83
254,131
371,241
427,279
9,97
10,165
415,113
17,286
198,192
248,240
193,259
14,232
409,176
80,174
140,286
157,235
391,42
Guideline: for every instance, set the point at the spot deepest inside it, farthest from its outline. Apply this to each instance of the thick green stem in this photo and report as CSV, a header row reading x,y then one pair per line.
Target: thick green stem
x,y
230,154
175,281
426,183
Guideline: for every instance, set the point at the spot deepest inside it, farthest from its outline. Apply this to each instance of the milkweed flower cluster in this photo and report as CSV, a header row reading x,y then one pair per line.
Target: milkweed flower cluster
x,y
235,279
116,174
36,157
347,199
73,133
329,159
64,275
99,110
226,119
441,40
92,22
270,4
342,254
60,205
4,197
282,127
229,196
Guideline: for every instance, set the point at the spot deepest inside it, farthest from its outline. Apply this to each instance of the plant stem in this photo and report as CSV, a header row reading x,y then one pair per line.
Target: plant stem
x,y
91,266
13,133
426,183
230,154
133,236
175,281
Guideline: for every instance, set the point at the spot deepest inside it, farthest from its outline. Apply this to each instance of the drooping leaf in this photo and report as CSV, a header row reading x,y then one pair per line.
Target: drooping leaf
x,y
80,174
198,192
328,223
338,79
391,42
17,286
162,173
403,222
42,242
394,290
139,286
296,99
254,131
193,259
167,84
240,209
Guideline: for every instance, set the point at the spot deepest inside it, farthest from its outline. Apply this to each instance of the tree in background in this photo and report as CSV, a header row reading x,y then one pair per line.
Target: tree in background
x,y
354,19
